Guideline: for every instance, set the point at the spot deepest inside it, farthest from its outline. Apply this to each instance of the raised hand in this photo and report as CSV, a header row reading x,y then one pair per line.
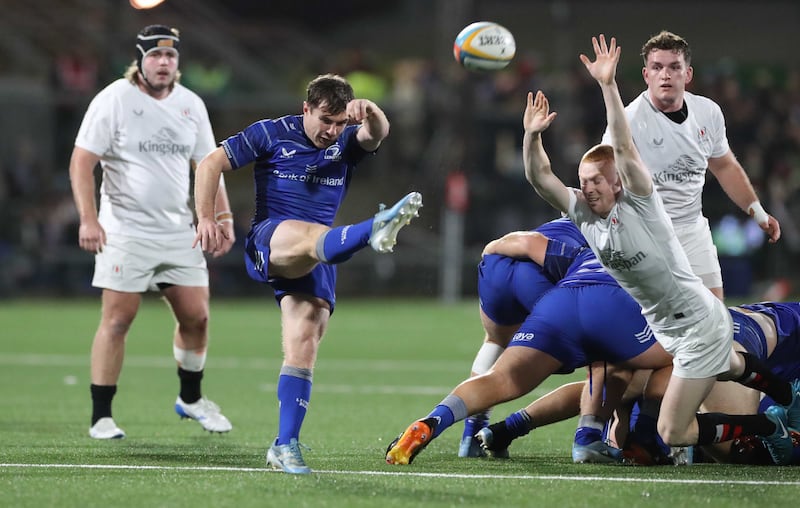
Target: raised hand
x,y
537,116
604,68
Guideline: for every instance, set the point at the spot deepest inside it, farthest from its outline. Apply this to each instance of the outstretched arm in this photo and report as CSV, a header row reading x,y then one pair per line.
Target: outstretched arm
x,y
631,169
538,171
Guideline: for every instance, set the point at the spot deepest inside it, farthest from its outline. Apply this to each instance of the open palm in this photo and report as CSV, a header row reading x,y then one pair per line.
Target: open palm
x,y
604,68
537,116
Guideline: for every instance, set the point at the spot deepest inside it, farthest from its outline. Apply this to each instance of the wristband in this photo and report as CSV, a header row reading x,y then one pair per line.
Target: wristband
x,y
223,221
220,216
757,212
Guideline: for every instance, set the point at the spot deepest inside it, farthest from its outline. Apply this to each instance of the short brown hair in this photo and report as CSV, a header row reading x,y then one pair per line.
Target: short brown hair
x,y
667,41
330,90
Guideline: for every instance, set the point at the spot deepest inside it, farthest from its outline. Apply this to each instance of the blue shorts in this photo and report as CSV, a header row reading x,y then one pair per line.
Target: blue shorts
x,y
321,282
508,288
785,359
579,325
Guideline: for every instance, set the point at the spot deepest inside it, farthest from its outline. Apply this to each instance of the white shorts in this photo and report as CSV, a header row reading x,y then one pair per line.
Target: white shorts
x,y
136,265
696,241
701,350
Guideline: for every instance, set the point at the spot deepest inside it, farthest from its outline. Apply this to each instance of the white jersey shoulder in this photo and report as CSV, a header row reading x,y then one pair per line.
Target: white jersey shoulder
x,y
677,153
146,147
637,245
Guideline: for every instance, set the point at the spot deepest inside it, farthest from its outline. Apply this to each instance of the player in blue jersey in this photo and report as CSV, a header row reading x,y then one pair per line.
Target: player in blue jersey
x,y
587,317
303,165
507,290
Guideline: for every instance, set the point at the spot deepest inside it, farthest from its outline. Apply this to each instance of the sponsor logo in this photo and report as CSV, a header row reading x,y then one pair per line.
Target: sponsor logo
x,y
302,403
287,154
523,337
682,170
616,260
658,142
311,168
138,113
310,178
163,142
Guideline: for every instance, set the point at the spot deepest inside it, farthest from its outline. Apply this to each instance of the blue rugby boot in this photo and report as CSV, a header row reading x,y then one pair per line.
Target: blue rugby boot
x,y
779,443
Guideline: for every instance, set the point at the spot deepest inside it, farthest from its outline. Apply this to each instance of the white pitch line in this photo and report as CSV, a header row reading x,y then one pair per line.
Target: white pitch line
x,y
220,362
403,473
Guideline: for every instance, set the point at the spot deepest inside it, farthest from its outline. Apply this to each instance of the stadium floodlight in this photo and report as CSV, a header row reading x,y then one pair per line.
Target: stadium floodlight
x,y
145,4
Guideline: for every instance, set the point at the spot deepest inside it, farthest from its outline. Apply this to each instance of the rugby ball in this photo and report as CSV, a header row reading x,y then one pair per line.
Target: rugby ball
x,y
484,46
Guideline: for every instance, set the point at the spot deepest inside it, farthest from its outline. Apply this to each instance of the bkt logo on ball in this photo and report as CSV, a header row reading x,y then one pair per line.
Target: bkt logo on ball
x,y
484,46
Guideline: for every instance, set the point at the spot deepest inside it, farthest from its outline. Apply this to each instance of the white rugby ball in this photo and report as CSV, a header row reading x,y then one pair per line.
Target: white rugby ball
x,y
484,46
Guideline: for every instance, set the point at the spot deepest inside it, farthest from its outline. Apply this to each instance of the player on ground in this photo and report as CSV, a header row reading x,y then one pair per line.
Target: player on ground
x,y
303,166
768,330
146,131
587,317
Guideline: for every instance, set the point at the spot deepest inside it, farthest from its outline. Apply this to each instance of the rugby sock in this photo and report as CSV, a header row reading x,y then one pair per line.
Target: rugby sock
x,y
590,429
450,410
475,423
518,424
758,377
190,385
340,243
294,392
101,400
719,427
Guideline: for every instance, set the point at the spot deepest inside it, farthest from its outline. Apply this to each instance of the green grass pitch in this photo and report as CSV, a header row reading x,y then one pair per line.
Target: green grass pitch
x,y
382,364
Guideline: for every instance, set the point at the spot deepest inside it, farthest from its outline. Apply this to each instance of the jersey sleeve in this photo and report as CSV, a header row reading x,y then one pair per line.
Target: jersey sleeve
x,y
558,258
97,128
719,134
254,142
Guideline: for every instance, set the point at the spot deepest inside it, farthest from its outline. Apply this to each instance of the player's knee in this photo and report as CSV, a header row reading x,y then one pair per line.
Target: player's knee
x,y
672,435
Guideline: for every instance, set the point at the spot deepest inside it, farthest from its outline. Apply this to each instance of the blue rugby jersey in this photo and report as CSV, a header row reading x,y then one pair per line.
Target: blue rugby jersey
x,y
293,178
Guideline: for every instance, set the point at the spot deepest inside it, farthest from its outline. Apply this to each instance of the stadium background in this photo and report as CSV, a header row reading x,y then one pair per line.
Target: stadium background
x,y
251,60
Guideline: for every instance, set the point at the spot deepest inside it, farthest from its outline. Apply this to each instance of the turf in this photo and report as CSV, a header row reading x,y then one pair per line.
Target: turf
x,y
383,364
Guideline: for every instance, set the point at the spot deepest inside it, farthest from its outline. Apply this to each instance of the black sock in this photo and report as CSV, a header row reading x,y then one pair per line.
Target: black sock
x,y
758,377
190,385
719,427
101,400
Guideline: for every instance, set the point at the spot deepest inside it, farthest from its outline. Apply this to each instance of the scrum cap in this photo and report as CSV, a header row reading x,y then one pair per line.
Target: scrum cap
x,y
155,37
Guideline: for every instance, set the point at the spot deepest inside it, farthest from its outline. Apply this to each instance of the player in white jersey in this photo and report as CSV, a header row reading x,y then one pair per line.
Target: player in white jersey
x,y
623,219
146,131
679,135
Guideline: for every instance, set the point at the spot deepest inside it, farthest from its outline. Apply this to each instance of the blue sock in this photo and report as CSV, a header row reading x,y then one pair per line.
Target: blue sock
x,y
587,435
590,429
518,424
340,243
294,392
449,411
475,423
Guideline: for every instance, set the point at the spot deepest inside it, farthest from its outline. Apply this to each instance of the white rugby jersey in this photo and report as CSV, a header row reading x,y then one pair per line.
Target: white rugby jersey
x,y
677,153
145,146
637,245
